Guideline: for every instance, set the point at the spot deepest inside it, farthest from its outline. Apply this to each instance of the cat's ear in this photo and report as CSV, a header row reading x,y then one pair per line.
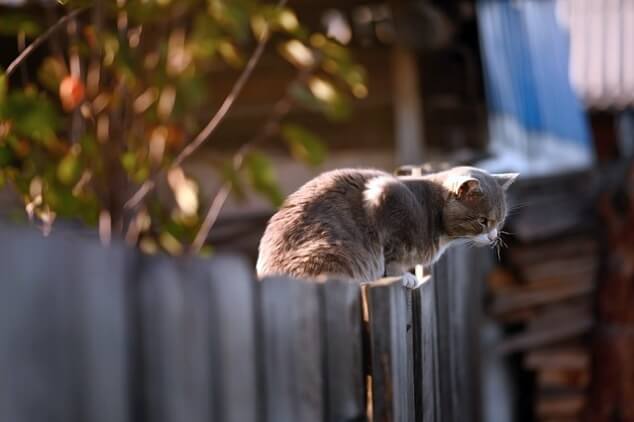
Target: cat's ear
x,y
505,179
468,186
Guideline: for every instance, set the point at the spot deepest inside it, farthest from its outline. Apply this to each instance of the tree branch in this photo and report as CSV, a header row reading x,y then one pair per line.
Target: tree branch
x,y
39,40
280,110
206,132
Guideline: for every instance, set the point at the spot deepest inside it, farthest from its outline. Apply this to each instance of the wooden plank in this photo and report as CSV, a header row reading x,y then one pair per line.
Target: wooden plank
x,y
549,291
62,328
291,340
96,283
546,335
391,350
441,278
560,405
426,377
559,248
344,377
233,317
568,379
177,342
562,312
569,268
558,358
458,278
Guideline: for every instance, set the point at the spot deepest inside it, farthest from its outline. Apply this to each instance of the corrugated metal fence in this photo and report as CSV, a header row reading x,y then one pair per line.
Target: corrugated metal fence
x,y
94,334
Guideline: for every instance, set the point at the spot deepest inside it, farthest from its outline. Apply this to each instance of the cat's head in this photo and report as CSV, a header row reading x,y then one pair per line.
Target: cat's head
x,y
476,207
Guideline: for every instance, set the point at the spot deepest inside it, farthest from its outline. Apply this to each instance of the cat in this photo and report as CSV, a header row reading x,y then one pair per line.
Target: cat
x,y
361,225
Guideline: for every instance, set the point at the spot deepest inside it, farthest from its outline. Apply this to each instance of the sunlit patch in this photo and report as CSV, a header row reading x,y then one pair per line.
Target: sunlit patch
x,y
374,189
337,26
170,243
148,246
145,100
185,191
298,54
322,90
360,91
288,20
166,101
178,57
158,139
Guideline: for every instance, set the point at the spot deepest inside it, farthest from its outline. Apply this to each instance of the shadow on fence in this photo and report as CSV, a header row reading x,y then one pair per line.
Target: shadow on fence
x,y
94,334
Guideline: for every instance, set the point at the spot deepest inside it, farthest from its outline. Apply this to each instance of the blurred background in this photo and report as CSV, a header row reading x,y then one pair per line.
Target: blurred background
x,y
96,122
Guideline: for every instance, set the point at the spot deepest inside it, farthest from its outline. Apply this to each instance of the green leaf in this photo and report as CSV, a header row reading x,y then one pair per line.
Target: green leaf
x,y
128,161
279,18
51,73
6,156
68,169
33,116
3,86
304,145
191,92
302,95
334,106
232,16
14,23
206,251
263,178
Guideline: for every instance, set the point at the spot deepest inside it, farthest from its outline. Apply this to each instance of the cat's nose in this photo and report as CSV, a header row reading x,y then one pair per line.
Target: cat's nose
x,y
493,234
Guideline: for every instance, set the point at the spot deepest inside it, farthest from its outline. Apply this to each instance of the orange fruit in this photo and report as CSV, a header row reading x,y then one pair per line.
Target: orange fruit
x,y
71,92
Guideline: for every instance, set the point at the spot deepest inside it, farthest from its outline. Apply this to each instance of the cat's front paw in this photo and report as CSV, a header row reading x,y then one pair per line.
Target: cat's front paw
x,y
410,281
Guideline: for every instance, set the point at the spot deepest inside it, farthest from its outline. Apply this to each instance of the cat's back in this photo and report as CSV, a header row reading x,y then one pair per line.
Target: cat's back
x,y
325,212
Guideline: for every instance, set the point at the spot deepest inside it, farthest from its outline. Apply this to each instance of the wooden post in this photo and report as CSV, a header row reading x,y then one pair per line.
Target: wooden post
x,y
426,367
233,318
63,334
292,350
177,345
389,311
408,109
343,374
457,279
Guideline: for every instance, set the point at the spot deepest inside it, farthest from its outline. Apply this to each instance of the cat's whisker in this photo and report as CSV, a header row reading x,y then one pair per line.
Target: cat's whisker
x,y
511,213
520,205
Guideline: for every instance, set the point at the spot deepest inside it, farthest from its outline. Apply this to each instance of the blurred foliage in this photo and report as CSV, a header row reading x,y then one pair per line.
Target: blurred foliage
x,y
127,93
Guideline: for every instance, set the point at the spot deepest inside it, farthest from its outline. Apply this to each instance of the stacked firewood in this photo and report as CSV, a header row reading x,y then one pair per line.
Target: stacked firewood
x,y
545,292
613,341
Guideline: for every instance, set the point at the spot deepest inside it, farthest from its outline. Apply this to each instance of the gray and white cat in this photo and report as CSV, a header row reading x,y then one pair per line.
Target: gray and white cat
x,y
361,225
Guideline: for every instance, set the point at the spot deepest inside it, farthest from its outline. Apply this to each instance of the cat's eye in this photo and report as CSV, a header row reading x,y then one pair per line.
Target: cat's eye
x,y
484,221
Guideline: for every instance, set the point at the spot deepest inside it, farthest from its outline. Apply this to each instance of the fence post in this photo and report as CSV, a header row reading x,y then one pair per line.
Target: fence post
x,y
177,343
342,334
457,284
426,360
388,308
234,317
291,339
63,335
